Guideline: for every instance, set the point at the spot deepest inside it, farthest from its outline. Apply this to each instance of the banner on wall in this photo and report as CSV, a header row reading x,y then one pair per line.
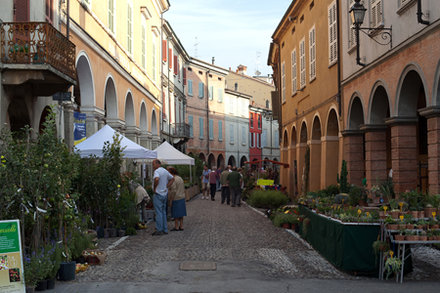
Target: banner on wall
x,y
79,127
11,260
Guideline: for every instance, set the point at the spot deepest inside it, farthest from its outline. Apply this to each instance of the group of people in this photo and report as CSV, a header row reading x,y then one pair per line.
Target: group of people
x,y
230,180
169,189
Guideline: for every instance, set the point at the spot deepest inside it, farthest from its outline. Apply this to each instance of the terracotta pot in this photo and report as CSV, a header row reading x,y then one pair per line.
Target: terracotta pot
x,y
421,214
431,238
436,226
410,226
393,227
421,227
394,214
429,211
414,214
399,237
437,237
402,226
423,238
411,237
286,226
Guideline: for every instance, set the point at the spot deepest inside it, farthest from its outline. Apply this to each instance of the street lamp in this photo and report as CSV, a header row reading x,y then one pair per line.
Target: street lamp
x,y
357,14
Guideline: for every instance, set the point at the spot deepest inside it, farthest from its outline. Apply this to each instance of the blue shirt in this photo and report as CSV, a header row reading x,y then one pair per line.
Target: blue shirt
x,y
205,175
164,176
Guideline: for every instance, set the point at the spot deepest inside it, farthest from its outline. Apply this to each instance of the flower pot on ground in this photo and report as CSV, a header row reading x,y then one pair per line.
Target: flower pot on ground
x,y
50,284
30,289
67,271
41,285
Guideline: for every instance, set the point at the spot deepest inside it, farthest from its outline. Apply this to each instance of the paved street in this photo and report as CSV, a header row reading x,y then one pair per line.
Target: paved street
x,y
247,252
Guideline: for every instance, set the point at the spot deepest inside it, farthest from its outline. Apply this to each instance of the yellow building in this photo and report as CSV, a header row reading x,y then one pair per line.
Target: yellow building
x,y
118,61
304,58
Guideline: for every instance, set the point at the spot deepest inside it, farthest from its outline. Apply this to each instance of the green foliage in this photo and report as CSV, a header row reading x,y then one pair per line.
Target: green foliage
x,y
392,266
356,194
130,231
342,178
79,242
268,199
282,218
305,186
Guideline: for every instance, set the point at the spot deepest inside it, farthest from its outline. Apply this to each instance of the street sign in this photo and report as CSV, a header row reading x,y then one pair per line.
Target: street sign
x,y
62,96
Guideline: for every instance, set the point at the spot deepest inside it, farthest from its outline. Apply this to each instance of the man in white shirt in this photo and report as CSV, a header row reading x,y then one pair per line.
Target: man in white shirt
x,y
162,181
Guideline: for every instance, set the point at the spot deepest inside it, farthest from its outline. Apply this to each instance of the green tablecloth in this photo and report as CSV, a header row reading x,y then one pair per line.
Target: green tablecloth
x,y
348,247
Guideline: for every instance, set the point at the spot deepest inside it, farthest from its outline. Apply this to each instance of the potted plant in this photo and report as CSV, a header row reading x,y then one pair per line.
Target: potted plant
x,y
423,236
392,265
379,246
394,205
391,223
400,236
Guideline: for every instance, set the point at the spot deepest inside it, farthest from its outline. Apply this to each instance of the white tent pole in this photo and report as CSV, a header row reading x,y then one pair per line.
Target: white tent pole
x,y
190,174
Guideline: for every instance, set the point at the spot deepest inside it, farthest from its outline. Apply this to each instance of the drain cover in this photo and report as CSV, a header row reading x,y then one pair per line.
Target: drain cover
x,y
198,266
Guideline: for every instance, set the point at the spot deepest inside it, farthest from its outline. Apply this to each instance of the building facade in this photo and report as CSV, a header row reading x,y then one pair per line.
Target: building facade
x,y
206,111
391,101
308,92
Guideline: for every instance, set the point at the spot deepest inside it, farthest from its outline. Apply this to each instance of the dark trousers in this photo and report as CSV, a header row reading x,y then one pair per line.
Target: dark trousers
x,y
213,189
236,194
226,195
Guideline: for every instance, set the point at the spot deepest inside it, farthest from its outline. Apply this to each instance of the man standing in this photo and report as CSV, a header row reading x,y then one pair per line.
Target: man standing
x,y
213,182
205,181
225,187
234,181
162,181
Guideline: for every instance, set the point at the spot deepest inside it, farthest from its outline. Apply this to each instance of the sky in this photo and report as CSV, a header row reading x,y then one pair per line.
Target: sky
x,y
233,31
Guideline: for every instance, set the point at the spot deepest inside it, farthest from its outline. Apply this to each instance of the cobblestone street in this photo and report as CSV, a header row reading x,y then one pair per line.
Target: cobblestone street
x,y
236,239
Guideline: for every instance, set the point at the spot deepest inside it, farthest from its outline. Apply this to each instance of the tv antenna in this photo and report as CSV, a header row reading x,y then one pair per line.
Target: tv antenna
x,y
257,63
196,43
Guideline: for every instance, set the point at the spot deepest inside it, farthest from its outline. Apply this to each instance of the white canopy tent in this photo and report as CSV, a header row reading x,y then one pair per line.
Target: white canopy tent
x,y
170,155
95,143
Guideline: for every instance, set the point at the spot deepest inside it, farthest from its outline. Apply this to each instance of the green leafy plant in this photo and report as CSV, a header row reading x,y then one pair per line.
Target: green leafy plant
x,y
392,265
283,218
342,178
268,199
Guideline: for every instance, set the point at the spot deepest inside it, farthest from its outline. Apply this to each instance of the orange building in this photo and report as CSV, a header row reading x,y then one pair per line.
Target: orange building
x,y
304,58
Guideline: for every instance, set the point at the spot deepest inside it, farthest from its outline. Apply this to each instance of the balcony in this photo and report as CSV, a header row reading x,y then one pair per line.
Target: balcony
x,y
181,130
37,57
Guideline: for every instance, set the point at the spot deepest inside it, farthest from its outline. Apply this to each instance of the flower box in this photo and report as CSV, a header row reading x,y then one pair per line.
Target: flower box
x,y
94,256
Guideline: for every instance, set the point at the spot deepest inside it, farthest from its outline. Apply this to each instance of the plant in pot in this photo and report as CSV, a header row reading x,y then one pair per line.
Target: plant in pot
x,y
394,205
391,223
408,219
380,246
284,220
401,235
392,265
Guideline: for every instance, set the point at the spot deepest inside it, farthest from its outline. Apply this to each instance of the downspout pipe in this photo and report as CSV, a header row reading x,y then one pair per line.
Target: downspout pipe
x,y
207,112
420,13
338,35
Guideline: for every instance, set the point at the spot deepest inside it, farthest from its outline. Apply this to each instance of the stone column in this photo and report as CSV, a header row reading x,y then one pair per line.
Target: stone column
x,y
375,154
290,170
432,114
93,116
132,133
354,155
300,153
315,165
330,159
68,124
404,154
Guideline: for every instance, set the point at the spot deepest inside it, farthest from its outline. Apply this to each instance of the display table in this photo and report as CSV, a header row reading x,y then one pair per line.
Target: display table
x,y
348,246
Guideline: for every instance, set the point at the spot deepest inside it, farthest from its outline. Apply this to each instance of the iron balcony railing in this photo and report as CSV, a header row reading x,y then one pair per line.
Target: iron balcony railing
x,y
181,130
36,43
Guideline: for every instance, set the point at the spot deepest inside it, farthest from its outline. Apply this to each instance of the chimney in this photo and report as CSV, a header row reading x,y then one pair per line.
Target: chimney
x,y
241,69
213,60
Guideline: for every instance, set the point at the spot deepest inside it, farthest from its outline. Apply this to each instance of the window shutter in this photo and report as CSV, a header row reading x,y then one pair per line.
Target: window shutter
x,y
175,64
164,50
302,60
211,93
21,10
312,54
184,76
376,13
294,75
170,57
332,34
283,81
211,129
220,95
220,130
190,87
200,127
190,122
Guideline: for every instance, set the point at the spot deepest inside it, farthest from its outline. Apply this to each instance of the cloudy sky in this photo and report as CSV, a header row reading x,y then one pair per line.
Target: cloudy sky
x,y
233,31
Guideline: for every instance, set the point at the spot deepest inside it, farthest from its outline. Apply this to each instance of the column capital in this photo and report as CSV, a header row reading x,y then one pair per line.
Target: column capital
x,y
401,120
352,132
373,127
430,112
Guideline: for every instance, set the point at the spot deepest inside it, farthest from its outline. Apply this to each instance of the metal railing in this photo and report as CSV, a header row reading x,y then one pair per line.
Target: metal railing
x,y
36,43
181,130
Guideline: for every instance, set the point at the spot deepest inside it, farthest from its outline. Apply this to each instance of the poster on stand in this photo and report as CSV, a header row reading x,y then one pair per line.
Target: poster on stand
x,y
11,260
79,127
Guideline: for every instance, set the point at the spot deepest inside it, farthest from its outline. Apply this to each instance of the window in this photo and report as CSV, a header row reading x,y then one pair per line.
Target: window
x,y
351,31
243,135
231,105
259,121
170,57
267,103
129,28
211,129
251,139
312,54
164,50
283,81
190,122
231,134
201,127
49,11
264,138
276,137
220,95
402,3
258,138
144,45
236,87
302,62
190,87
201,90
332,34
111,15
175,65
153,57
376,16
251,122
220,131
211,93
294,75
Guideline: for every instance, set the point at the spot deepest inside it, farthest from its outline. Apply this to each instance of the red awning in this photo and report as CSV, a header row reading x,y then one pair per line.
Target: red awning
x,y
285,165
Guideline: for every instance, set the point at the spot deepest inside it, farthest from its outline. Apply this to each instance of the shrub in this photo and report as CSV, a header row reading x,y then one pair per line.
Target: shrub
x,y
283,218
268,199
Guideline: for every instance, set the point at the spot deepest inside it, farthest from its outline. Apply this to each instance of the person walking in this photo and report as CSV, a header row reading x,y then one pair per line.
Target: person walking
x,y
162,181
177,200
226,195
205,181
234,182
213,182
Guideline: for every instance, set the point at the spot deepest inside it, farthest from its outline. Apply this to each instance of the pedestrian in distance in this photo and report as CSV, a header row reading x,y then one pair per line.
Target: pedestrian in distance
x,y
205,181
219,171
162,181
226,195
234,181
177,200
213,177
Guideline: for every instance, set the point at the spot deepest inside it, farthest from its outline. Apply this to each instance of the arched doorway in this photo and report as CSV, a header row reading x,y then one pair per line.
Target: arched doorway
x,y
330,145
315,156
130,121
231,161
242,161
143,119
293,163
285,156
18,114
303,165
43,119
220,161
84,90
154,123
202,157
409,136
111,103
211,161
354,149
